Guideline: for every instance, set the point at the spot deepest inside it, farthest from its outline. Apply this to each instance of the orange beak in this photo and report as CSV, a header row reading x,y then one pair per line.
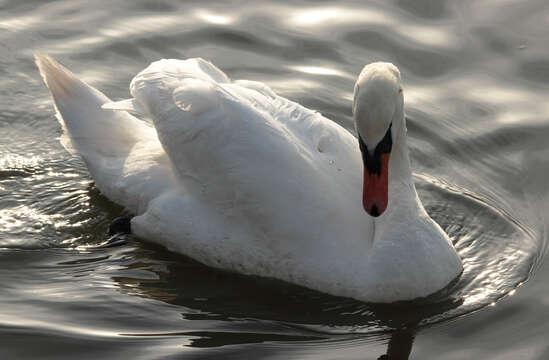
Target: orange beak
x,y
375,195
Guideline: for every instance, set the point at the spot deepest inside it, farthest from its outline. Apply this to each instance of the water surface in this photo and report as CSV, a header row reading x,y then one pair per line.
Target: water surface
x,y
476,84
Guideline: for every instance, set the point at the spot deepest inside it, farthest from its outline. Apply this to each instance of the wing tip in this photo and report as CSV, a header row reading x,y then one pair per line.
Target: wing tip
x,y
57,78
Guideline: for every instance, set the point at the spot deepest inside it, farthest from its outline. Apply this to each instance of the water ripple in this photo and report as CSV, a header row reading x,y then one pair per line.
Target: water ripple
x,y
476,83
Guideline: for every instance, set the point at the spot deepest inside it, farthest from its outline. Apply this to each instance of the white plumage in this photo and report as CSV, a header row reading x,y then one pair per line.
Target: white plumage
x,y
241,179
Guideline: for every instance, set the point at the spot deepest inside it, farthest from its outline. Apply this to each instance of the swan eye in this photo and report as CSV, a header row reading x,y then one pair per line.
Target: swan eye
x,y
399,90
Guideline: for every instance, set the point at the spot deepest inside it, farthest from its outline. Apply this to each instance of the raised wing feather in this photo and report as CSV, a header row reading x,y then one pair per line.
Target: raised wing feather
x,y
248,152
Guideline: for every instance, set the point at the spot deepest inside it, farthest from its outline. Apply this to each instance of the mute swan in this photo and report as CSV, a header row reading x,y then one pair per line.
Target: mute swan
x,y
239,178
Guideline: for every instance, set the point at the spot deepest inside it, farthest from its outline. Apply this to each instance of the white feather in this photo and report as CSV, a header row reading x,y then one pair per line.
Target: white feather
x,y
129,105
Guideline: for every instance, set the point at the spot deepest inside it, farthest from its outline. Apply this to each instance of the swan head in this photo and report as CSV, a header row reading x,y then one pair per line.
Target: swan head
x,y
379,116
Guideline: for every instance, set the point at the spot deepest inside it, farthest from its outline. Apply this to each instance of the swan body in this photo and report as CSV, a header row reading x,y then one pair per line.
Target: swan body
x,y
239,178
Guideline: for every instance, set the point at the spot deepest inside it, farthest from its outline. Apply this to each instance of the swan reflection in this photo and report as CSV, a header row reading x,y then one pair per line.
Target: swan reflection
x,y
400,346
232,309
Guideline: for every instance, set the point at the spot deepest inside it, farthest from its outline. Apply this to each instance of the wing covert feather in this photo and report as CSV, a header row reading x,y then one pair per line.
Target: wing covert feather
x,y
230,141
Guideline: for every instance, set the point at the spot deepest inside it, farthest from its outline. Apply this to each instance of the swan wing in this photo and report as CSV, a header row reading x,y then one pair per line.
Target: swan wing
x,y
249,153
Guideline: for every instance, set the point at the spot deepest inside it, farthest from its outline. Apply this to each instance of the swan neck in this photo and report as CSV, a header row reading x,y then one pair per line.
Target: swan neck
x,y
399,164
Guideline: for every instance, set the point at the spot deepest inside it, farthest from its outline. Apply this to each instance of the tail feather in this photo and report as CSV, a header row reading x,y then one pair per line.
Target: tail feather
x,y
91,131
61,82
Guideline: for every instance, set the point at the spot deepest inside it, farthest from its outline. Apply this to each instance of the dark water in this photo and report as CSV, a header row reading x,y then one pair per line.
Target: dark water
x,y
476,84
